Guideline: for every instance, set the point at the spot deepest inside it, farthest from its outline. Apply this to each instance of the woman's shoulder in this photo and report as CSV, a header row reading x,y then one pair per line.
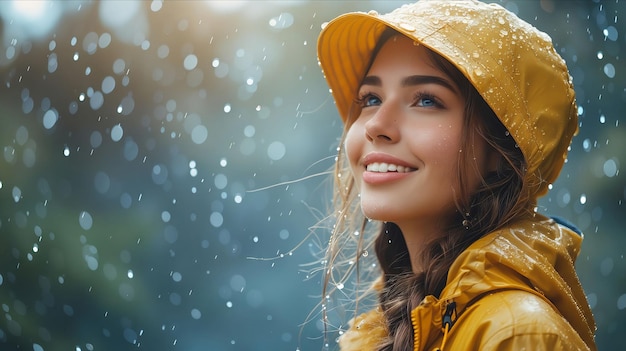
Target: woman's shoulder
x,y
513,319
365,332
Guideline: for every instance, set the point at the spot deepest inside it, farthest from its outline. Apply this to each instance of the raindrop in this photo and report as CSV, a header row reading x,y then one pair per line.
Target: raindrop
x,y
282,21
199,134
117,132
621,302
10,53
108,84
127,105
37,347
237,283
102,182
249,131
606,266
95,139
171,234
610,33
216,219
17,194
220,181
163,51
104,40
130,336
90,43
96,100
284,234
583,199
227,108
190,62
119,66
159,174
610,168
276,150
166,216
609,70
587,145
85,220
92,262
53,64
196,314
21,135
131,150
50,118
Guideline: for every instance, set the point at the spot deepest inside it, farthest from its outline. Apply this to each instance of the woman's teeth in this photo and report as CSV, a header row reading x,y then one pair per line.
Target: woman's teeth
x,y
382,167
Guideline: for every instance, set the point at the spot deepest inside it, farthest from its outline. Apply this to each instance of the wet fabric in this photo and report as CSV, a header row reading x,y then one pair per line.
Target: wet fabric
x,y
514,289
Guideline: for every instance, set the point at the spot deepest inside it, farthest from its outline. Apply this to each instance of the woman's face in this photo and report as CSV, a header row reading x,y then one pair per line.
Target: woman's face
x,y
405,145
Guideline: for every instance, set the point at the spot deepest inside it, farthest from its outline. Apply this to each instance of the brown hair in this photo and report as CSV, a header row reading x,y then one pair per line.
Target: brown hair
x,y
497,201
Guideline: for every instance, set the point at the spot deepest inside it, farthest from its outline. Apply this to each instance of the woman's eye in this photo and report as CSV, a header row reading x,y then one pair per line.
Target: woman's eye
x,y
369,100
424,100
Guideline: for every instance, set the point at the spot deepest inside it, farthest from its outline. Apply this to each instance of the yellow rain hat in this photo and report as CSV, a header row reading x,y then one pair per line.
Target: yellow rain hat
x,y
513,66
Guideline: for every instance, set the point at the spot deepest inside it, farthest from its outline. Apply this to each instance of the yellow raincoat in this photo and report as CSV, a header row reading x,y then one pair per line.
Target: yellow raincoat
x,y
514,289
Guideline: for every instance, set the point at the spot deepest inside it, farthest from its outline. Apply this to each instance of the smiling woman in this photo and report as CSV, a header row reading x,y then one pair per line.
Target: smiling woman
x,y
443,157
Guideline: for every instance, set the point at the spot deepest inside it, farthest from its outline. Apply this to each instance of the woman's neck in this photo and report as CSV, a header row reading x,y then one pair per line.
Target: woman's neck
x,y
418,235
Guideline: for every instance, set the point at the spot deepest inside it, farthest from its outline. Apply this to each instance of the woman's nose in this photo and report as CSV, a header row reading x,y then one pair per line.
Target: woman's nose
x,y
383,125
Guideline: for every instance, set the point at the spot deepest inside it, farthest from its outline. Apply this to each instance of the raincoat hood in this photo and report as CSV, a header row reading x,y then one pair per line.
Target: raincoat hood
x,y
534,255
513,66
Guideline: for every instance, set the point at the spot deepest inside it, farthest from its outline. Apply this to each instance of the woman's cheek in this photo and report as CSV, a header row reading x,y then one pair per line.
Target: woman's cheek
x,y
352,148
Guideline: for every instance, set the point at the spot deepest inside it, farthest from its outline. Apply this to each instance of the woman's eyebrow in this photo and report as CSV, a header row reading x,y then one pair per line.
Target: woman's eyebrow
x,y
421,80
412,81
372,80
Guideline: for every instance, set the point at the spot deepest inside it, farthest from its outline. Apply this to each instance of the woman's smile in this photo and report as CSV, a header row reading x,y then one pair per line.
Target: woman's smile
x,y
381,168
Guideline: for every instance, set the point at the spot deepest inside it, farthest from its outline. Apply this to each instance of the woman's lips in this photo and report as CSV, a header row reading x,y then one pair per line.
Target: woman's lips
x,y
381,168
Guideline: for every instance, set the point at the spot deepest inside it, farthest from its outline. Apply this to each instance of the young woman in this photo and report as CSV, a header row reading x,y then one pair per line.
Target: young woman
x,y
458,116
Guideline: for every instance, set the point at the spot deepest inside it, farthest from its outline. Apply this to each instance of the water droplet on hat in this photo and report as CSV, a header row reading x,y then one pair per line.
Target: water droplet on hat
x,y
407,27
478,72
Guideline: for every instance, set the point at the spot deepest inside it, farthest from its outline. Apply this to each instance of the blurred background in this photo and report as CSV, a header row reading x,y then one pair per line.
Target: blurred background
x,y
163,161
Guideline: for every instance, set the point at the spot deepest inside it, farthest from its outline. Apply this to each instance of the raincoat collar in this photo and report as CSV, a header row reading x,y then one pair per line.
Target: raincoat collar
x,y
532,255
